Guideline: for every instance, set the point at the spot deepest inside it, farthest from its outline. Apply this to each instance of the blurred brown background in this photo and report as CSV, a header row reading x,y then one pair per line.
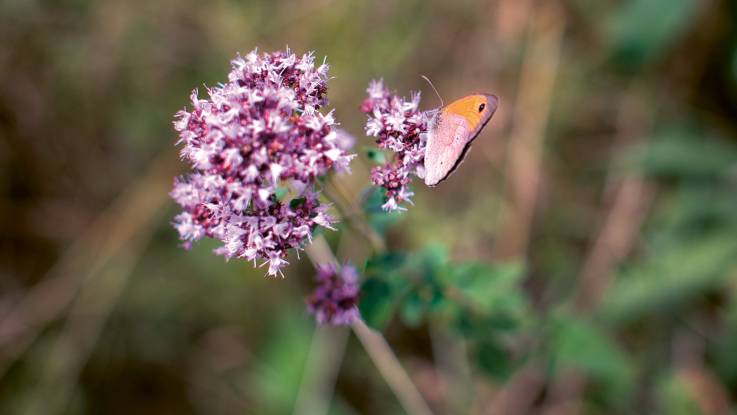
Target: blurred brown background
x,y
609,170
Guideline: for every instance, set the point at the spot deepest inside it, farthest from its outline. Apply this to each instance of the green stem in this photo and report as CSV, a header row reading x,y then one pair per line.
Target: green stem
x,y
356,220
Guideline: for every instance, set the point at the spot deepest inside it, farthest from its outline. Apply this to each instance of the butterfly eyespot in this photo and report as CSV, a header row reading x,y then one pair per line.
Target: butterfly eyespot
x,y
481,107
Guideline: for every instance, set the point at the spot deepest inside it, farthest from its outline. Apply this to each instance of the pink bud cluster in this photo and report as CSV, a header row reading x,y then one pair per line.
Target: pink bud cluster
x,y
334,300
400,127
257,145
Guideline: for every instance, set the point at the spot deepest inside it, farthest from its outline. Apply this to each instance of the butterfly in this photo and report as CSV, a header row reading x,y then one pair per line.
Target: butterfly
x,y
451,132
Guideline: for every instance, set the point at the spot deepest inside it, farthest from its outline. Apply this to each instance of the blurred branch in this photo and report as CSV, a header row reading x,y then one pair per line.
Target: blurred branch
x,y
512,18
531,113
390,368
326,351
629,208
323,362
564,393
614,242
111,232
450,353
616,238
319,252
530,118
703,387
520,392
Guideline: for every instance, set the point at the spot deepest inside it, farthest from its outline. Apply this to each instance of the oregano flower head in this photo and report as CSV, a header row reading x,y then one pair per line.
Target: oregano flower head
x,y
335,298
257,145
400,127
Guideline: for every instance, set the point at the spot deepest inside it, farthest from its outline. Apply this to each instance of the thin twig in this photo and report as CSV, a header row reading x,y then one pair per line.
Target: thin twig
x,y
390,368
326,351
357,216
323,362
356,220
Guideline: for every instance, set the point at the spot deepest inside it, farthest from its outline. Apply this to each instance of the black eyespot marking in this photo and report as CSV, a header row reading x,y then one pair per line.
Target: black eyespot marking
x,y
481,107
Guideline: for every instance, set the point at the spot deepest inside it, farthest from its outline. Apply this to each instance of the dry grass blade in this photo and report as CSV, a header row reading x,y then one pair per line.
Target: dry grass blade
x,y
629,208
530,119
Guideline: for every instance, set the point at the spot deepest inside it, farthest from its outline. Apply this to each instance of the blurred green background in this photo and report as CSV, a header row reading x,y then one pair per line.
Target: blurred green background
x,y
609,174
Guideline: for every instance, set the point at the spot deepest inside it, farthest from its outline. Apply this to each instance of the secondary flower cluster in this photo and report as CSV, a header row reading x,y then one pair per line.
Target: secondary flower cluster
x,y
255,139
334,300
399,126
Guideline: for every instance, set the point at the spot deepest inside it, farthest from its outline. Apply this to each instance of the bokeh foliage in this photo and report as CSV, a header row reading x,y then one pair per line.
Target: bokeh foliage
x,y
644,90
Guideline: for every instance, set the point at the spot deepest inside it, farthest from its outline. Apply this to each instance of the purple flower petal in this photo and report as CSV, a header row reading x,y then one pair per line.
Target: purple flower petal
x,y
335,298
401,127
261,130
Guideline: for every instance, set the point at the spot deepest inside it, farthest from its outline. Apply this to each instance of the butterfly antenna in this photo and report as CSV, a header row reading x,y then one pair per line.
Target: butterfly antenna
x,y
442,103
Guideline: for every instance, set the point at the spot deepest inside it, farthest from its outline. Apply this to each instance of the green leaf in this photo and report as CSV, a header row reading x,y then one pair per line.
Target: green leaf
x,y
488,300
373,198
382,288
685,152
296,202
492,358
643,29
694,211
413,309
376,155
381,264
432,259
422,271
670,276
280,192
724,357
487,287
377,302
579,344
674,397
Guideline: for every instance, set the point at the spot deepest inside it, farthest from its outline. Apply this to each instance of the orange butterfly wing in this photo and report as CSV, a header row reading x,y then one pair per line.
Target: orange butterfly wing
x,y
452,132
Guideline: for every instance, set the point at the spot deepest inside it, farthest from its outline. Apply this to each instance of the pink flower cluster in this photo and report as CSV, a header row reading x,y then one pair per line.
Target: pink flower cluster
x,y
254,140
334,300
399,126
